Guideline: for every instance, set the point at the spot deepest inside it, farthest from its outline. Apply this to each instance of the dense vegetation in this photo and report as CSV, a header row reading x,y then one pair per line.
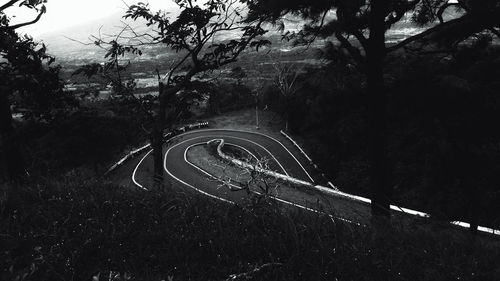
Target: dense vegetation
x,y
443,111
75,228
438,110
88,139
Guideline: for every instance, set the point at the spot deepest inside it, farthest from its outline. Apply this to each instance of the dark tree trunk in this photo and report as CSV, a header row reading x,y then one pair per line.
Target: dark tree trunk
x,y
377,110
157,139
12,164
474,224
474,177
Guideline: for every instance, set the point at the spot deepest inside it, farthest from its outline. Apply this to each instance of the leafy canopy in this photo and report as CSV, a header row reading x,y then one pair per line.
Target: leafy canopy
x,y
349,20
27,75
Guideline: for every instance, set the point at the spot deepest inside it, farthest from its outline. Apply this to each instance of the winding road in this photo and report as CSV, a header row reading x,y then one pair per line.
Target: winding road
x,y
184,174
188,177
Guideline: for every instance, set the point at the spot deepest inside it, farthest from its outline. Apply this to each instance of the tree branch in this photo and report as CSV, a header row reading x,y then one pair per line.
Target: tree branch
x,y
8,4
28,23
455,30
360,37
443,8
353,51
422,35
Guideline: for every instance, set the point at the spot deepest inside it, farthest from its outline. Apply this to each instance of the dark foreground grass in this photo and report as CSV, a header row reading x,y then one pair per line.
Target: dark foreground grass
x,y
83,230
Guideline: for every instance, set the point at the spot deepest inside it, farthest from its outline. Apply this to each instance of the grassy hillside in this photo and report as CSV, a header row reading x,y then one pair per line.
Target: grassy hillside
x,y
78,229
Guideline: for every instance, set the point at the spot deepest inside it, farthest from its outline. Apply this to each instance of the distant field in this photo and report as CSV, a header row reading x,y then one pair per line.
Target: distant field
x,y
257,66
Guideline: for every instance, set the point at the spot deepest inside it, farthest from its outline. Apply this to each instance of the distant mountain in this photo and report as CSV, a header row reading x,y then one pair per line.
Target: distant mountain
x,y
76,43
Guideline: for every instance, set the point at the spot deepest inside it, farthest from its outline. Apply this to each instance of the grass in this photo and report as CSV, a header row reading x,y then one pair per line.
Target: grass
x,y
74,229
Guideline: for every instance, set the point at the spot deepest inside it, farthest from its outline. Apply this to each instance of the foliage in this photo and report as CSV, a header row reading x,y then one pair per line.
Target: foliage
x,y
112,70
360,30
229,96
29,83
348,21
195,35
28,77
193,30
88,140
442,111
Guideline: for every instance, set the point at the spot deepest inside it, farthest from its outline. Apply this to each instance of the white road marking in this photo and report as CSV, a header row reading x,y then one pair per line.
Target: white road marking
x,y
248,132
197,189
187,184
137,167
282,145
296,145
246,150
247,165
258,193
269,152
200,169
354,197
256,133
238,138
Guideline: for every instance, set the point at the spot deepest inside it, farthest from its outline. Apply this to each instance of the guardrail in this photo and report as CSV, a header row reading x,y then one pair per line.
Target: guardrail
x,y
336,191
311,162
166,136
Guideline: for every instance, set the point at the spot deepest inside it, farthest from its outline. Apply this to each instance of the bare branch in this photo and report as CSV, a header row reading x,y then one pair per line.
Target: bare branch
x,y
8,4
28,23
169,80
285,79
78,41
422,35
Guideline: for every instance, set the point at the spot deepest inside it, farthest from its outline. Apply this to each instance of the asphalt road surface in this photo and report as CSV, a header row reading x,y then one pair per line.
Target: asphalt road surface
x,y
182,173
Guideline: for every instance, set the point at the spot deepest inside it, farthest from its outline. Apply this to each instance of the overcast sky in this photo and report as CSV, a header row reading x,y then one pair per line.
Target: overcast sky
x,y
62,14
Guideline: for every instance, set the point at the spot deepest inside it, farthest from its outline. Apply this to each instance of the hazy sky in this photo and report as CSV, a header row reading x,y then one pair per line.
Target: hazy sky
x,y
62,14
65,13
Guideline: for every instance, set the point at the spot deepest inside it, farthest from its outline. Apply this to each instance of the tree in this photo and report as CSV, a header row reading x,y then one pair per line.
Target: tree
x,y
284,80
238,73
26,80
196,35
359,27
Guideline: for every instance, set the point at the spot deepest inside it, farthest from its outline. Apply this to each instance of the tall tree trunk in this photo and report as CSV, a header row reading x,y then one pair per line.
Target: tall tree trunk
x,y
377,109
10,154
473,183
157,139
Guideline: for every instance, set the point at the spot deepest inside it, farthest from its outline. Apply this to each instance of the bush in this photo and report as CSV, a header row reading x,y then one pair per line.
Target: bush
x,y
442,120
90,138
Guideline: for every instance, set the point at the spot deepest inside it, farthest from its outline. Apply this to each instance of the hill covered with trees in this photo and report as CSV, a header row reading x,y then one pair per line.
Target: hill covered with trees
x,y
395,100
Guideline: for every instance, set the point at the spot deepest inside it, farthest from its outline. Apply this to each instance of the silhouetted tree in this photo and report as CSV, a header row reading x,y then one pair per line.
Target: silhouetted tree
x,y
284,79
359,27
26,80
196,34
